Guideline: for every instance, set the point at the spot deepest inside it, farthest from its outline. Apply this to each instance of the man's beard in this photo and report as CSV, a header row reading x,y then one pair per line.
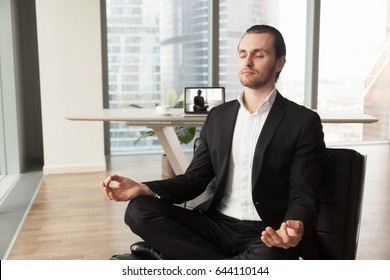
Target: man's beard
x,y
259,82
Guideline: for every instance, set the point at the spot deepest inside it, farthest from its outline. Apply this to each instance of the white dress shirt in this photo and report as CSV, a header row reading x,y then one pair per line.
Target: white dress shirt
x,y
237,201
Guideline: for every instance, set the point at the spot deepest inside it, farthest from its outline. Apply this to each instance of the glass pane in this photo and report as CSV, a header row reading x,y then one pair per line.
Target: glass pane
x,y
155,49
354,66
2,141
288,16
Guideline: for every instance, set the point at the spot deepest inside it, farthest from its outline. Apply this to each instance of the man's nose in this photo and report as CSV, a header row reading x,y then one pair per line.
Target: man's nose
x,y
249,60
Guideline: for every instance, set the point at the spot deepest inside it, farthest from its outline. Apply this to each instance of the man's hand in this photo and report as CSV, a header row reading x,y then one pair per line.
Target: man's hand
x,y
125,189
288,235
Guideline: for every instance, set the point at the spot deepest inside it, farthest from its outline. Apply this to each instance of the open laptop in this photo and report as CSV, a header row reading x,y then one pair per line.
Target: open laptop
x,y
200,100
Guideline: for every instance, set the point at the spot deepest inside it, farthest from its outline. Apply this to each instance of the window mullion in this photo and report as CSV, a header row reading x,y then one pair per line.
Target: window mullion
x,y
312,53
213,57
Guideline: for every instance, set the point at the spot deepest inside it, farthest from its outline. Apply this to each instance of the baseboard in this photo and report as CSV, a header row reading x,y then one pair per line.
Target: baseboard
x,y
60,169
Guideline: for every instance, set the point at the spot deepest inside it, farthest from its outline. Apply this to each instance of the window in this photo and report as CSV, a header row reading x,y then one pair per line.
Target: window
x,y
155,50
288,16
354,66
9,141
2,144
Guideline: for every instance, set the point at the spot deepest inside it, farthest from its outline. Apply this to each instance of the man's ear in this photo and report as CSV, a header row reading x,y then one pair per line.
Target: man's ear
x,y
280,63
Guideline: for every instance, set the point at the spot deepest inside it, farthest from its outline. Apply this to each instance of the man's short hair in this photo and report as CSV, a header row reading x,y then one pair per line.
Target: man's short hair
x,y
280,46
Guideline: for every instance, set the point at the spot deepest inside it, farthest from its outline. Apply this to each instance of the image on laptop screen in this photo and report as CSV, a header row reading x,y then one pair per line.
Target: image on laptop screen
x,y
200,100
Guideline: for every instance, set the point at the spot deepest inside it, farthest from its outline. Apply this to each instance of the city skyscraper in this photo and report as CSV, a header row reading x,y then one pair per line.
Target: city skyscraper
x,y
377,92
133,51
156,48
183,45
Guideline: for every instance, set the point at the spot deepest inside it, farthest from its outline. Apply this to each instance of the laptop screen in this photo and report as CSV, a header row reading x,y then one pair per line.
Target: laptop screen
x,y
200,100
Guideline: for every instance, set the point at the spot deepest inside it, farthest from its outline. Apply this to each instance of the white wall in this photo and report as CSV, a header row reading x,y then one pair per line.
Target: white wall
x,y
69,44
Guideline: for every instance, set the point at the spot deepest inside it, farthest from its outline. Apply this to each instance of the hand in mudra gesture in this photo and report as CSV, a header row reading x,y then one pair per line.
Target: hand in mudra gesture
x,y
288,235
120,188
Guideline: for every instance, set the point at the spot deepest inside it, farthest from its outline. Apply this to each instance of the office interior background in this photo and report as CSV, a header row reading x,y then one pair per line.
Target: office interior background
x,y
63,57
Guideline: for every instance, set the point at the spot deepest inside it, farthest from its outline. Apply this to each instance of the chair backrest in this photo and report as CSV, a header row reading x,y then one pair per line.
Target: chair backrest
x,y
338,225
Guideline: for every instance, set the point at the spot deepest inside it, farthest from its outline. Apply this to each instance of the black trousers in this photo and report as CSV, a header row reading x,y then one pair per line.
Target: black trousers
x,y
180,233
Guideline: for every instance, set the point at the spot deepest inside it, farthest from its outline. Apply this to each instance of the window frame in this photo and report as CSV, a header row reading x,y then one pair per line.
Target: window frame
x,y
313,18
9,137
311,64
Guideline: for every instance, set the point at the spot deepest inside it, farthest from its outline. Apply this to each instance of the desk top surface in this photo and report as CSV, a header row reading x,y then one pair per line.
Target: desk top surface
x,y
147,117
142,117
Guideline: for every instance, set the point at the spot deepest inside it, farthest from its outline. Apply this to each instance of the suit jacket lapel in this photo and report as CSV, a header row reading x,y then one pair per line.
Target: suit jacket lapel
x,y
226,139
228,122
270,126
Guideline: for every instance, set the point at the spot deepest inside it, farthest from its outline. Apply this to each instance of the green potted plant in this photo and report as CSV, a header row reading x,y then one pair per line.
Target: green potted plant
x,y
184,134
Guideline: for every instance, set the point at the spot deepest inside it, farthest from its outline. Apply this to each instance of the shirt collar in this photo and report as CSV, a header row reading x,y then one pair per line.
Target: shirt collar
x,y
268,101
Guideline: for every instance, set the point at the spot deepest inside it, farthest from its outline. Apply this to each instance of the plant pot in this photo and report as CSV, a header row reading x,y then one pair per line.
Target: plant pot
x,y
167,170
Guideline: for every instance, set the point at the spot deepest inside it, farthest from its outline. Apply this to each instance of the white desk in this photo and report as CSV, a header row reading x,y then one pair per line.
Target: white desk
x,y
164,126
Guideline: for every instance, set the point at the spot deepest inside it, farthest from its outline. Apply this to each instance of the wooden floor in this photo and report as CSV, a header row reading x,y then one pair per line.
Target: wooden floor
x,y
71,219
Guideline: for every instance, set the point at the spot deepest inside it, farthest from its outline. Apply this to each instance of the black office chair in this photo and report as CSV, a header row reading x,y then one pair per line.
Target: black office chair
x,y
341,197
337,229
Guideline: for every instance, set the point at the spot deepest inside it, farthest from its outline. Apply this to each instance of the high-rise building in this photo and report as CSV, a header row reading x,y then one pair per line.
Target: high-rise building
x,y
156,48
183,46
133,52
377,92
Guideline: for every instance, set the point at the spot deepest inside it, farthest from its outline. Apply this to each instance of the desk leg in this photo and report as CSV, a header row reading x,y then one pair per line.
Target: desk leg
x,y
172,148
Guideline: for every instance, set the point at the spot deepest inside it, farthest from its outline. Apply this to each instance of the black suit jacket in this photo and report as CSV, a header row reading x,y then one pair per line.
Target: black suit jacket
x,y
287,165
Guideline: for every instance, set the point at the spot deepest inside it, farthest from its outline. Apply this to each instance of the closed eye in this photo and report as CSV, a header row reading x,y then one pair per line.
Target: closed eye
x,y
242,54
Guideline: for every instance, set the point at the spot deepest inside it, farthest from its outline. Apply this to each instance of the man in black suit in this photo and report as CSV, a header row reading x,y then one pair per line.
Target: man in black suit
x,y
199,104
266,155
